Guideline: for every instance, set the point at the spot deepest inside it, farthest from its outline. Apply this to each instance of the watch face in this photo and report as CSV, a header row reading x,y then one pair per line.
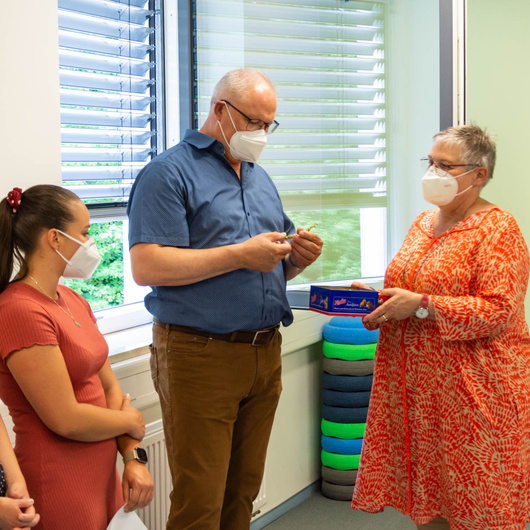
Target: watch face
x,y
141,455
422,312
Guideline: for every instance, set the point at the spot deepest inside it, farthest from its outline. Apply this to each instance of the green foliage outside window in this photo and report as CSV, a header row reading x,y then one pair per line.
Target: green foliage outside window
x,y
341,254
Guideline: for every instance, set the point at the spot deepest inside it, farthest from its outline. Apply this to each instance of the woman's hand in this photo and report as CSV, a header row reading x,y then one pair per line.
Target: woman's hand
x,y
138,487
16,514
137,429
400,304
17,489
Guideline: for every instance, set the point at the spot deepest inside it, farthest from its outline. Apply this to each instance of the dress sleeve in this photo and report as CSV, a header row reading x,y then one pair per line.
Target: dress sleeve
x,y
25,324
499,291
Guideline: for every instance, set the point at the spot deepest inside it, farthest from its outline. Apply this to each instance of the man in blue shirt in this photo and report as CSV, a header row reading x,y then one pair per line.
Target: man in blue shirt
x,y
207,233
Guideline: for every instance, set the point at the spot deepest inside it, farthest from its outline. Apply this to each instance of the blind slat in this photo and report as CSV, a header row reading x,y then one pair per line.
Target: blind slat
x,y
104,63
116,119
128,11
97,44
89,98
117,83
105,136
121,154
103,27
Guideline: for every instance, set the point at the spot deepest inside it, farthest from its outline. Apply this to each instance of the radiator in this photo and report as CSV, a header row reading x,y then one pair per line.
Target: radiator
x,y
155,515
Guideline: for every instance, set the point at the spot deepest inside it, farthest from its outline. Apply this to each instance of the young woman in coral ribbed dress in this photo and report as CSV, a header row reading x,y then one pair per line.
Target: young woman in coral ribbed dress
x,y
448,431
69,413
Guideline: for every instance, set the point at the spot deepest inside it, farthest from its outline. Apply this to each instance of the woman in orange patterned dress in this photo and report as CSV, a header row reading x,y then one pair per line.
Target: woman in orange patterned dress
x,y
448,434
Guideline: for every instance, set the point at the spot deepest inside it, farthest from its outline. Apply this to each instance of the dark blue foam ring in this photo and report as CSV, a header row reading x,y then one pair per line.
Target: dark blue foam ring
x,y
344,414
348,330
342,447
347,383
336,398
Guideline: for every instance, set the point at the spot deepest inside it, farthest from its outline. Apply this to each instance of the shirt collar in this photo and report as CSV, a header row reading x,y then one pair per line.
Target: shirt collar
x,y
203,141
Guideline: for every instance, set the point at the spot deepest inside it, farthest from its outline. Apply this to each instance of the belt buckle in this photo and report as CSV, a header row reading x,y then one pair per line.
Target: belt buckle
x,y
256,336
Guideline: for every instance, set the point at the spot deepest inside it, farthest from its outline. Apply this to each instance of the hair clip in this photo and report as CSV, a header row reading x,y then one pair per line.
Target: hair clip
x,y
14,198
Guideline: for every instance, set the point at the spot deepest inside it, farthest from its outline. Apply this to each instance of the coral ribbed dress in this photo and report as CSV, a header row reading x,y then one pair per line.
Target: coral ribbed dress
x,y
75,484
448,432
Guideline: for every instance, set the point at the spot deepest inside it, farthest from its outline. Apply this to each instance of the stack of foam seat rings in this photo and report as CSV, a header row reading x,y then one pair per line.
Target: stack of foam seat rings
x,y
349,350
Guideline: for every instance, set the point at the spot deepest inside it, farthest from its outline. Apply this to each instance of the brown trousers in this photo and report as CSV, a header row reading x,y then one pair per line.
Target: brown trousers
x,y
218,401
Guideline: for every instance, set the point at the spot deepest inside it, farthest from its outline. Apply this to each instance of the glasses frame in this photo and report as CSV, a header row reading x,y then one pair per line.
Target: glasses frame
x,y
449,167
268,127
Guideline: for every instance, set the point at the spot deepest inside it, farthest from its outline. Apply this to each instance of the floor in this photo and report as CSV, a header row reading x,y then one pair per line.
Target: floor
x,y
319,512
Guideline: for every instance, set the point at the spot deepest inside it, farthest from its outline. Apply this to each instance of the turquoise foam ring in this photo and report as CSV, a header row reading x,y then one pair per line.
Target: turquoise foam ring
x,y
340,446
337,461
349,352
347,431
348,330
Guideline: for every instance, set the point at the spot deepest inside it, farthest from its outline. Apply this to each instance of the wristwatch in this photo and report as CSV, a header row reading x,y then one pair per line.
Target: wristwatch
x,y
137,454
423,310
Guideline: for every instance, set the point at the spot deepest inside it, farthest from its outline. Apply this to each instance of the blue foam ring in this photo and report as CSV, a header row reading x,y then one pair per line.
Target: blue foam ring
x,y
342,447
348,330
336,398
344,414
347,383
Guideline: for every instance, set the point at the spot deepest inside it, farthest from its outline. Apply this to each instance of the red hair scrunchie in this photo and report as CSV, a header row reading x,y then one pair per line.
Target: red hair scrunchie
x,y
14,199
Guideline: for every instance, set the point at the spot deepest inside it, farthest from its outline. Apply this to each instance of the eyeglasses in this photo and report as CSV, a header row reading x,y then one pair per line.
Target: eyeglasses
x,y
428,162
256,125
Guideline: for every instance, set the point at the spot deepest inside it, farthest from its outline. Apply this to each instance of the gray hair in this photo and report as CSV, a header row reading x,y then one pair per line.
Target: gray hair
x,y
237,82
477,146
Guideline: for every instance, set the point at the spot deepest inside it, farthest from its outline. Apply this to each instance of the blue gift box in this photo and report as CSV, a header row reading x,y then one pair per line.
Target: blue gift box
x,y
343,301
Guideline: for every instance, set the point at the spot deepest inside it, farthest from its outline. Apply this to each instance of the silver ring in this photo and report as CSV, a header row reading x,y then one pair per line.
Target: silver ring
x,y
386,319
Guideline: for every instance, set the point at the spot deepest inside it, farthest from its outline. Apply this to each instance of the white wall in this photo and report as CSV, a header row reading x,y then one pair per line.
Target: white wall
x,y
29,95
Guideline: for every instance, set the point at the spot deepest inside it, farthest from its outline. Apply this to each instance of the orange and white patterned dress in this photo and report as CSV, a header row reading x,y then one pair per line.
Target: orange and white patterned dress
x,y
448,432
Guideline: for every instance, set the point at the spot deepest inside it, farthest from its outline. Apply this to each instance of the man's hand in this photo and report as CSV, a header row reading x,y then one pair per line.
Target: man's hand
x,y
306,247
263,252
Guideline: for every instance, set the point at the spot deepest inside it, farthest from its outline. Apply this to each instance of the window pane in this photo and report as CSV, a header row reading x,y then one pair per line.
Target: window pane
x,y
328,157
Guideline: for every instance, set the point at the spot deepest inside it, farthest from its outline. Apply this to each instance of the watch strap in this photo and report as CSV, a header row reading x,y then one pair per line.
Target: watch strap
x,y
132,455
424,301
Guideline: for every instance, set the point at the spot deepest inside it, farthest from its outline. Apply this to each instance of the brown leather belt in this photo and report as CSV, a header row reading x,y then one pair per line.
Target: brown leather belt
x,y
255,337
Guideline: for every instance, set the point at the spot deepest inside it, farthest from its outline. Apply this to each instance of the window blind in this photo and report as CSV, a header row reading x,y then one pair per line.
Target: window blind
x,y
108,52
326,58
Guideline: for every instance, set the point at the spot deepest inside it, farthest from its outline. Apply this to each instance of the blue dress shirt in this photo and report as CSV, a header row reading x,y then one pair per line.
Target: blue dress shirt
x,y
190,197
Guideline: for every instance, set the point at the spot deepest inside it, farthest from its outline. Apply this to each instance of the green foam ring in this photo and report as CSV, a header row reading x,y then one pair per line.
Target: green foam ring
x,y
349,352
342,462
345,431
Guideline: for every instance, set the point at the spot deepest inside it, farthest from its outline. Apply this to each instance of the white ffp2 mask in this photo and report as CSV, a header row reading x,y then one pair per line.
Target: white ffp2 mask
x,y
245,145
85,260
439,187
